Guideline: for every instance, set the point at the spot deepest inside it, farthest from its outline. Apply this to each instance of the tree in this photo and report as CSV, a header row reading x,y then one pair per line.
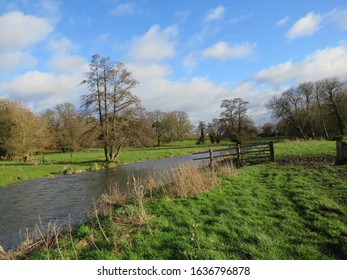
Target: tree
x,y
21,131
237,123
180,125
68,129
202,129
111,100
268,130
312,109
169,126
286,107
215,131
306,92
319,100
160,124
334,95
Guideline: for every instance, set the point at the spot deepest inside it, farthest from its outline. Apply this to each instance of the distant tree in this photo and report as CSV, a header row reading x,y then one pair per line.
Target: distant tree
x,y
21,131
335,97
238,125
287,107
202,129
268,130
312,109
161,125
180,125
68,129
215,131
169,126
111,100
321,108
306,92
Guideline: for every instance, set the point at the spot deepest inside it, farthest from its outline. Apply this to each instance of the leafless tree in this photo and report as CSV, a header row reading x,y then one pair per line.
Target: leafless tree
x,y
111,100
238,125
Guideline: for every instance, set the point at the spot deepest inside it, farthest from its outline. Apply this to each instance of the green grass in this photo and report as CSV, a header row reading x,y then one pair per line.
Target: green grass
x,y
267,212
305,148
55,163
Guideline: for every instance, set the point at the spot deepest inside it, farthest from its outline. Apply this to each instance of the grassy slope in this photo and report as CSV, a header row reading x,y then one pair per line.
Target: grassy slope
x,y
267,212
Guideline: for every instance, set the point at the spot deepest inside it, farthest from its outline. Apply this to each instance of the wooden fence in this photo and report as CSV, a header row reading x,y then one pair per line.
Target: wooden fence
x,y
241,155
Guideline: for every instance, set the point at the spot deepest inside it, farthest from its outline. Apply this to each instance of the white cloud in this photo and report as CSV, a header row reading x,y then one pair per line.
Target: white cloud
x,y
44,89
145,72
215,14
18,31
223,51
282,21
61,45
124,9
68,64
305,26
11,60
155,45
321,64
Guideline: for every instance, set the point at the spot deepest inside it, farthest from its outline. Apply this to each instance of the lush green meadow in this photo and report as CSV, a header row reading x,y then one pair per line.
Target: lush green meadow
x,y
268,211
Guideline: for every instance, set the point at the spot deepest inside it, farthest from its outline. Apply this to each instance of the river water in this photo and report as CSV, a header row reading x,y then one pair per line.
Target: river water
x,y
26,204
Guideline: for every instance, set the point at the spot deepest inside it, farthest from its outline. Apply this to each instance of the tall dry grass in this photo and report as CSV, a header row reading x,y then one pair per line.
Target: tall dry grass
x,y
187,181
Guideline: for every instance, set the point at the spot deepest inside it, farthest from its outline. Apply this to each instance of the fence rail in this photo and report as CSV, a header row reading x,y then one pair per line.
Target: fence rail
x,y
241,155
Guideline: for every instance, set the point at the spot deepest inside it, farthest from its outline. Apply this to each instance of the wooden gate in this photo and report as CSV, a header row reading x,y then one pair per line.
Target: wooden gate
x,y
241,155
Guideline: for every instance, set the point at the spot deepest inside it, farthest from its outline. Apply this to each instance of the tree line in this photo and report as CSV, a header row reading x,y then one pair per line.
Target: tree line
x,y
110,116
311,110
234,124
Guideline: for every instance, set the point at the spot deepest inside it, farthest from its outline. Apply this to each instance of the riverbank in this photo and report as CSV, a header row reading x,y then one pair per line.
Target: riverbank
x,y
50,164
285,210
264,212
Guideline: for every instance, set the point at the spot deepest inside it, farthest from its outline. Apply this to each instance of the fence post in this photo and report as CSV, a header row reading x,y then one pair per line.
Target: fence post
x,y
238,153
211,159
341,152
272,151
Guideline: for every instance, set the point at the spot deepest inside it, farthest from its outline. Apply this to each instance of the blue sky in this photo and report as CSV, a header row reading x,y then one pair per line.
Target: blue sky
x,y
187,55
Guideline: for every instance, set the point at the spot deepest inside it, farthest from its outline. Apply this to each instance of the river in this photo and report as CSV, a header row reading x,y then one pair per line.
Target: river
x,y
26,204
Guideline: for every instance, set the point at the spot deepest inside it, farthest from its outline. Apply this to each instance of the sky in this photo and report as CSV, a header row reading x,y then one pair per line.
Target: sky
x,y
187,55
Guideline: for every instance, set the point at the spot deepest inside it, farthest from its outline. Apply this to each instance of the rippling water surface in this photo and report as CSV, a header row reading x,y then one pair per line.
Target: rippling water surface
x,y
23,205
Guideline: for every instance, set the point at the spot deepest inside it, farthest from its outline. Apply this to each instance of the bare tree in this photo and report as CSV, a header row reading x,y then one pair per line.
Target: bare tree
x,y
237,123
319,97
215,131
287,107
110,98
334,95
307,92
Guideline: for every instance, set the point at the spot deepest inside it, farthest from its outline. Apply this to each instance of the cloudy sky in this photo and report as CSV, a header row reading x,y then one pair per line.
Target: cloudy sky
x,y
187,54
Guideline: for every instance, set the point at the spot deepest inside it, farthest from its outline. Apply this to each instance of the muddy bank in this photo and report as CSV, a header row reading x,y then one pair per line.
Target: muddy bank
x,y
307,161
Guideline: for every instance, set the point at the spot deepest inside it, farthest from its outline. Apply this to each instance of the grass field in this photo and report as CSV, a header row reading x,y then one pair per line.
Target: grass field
x,y
267,211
